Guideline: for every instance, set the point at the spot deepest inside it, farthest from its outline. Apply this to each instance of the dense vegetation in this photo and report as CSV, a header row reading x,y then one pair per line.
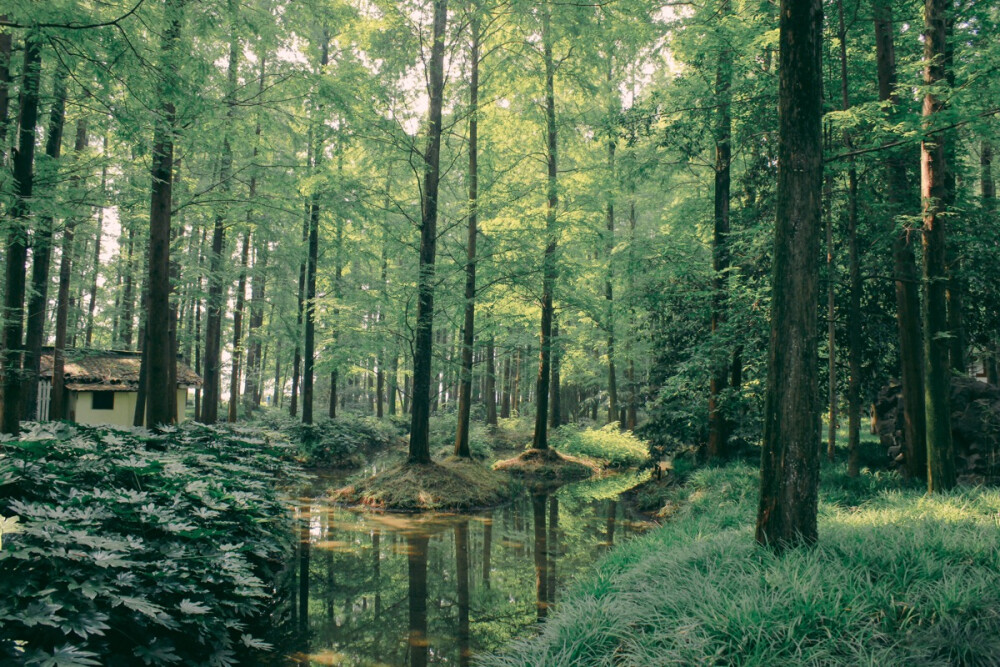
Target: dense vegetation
x,y
133,547
591,235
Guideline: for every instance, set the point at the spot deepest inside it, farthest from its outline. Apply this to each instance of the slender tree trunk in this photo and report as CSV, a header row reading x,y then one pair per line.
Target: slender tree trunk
x,y
538,506
419,424
91,305
555,397
541,436
718,423
127,321
790,457
505,389
988,195
469,325
854,300
293,406
58,403
216,289
462,576
310,304
491,382
609,243
139,416
933,190
831,311
241,291
904,263
17,231
42,252
393,383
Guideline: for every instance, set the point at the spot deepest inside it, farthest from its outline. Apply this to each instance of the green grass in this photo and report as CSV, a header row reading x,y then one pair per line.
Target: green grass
x,y
612,447
897,578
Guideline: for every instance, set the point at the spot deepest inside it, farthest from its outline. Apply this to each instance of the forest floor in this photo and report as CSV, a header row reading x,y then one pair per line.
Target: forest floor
x,y
897,578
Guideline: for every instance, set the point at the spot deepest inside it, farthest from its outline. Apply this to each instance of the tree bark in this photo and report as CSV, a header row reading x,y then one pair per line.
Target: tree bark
x,y
718,423
92,303
216,303
854,269
41,245
241,292
58,402
423,348
16,251
491,382
555,395
907,286
541,435
469,325
933,190
790,458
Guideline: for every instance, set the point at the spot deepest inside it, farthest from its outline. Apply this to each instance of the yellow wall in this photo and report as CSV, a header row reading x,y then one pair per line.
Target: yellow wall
x,y
121,415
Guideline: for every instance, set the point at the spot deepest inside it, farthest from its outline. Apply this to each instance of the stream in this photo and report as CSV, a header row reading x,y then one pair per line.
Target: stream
x,y
375,588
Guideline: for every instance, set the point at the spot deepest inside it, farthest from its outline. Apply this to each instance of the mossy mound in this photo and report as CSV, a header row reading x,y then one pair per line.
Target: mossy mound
x,y
451,484
548,464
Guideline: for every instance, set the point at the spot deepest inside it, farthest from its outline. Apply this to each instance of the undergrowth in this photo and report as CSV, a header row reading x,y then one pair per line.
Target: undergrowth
x,y
898,578
610,445
138,548
334,443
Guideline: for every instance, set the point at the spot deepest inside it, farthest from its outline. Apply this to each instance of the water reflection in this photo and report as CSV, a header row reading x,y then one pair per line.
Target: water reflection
x,y
391,589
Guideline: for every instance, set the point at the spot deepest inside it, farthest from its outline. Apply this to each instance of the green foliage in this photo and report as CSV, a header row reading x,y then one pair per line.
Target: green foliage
x,y
136,547
610,445
898,579
333,443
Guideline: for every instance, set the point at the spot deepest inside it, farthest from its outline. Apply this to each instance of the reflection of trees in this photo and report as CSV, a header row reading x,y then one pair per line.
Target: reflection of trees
x,y
462,574
458,585
416,561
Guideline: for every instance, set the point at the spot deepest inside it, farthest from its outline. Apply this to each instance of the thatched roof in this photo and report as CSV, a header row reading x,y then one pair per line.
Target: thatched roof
x,y
108,370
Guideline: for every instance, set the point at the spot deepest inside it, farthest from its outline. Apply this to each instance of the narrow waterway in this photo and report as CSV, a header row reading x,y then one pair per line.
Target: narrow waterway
x,y
375,588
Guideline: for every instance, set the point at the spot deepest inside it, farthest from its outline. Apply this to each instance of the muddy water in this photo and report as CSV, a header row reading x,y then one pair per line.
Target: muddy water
x,y
390,589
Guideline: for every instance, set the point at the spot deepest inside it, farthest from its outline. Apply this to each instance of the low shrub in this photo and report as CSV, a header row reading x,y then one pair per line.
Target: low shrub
x,y
333,443
133,547
610,445
899,579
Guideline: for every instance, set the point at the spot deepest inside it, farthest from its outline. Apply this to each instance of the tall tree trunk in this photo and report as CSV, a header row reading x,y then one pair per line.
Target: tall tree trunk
x,y
423,348
393,383
555,396
42,252
308,372
252,381
58,403
988,196
831,310
790,458
907,284
609,243
293,406
505,389
956,280
490,394
933,190
17,231
127,319
469,325
92,303
216,290
718,423
541,436
854,269
241,294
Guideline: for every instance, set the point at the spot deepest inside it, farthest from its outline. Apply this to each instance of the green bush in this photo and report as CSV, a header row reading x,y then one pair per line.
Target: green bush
x,y
139,548
900,579
610,445
333,443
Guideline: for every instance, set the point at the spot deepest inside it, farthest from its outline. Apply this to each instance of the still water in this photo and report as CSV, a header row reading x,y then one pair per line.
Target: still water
x,y
373,588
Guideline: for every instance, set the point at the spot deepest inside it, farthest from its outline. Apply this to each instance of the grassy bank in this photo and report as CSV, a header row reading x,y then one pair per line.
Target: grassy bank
x,y
897,579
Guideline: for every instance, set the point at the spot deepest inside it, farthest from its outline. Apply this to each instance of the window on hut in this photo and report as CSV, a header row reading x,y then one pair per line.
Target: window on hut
x,y
103,400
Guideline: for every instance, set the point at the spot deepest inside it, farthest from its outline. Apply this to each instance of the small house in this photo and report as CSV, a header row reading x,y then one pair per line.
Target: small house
x,y
102,386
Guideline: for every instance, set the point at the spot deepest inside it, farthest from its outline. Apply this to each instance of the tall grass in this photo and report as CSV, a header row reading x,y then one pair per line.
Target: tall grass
x,y
896,579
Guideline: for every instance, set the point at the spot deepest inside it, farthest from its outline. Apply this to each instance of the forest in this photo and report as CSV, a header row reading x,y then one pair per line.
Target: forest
x,y
499,332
